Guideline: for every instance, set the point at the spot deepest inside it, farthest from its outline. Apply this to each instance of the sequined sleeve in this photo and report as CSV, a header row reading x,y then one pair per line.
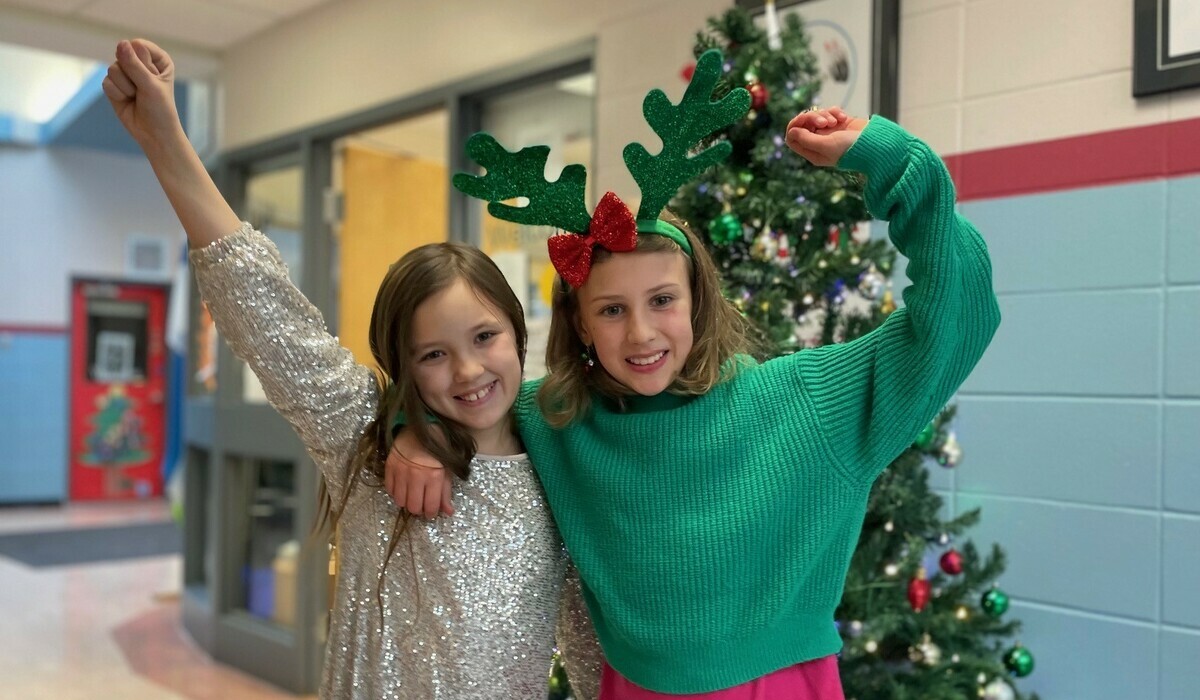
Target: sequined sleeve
x,y
576,639
312,381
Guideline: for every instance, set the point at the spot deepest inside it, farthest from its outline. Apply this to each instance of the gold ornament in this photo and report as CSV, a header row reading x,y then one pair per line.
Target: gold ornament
x,y
925,652
889,304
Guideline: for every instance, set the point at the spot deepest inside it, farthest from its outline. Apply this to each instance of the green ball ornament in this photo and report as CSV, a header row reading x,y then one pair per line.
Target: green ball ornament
x,y
1019,661
994,602
725,229
925,437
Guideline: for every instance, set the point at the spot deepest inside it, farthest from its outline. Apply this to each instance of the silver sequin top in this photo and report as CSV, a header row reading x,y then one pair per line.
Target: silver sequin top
x,y
467,606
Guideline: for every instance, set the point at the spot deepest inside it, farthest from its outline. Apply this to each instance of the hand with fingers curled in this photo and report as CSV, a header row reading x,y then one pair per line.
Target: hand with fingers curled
x,y
822,135
416,480
141,87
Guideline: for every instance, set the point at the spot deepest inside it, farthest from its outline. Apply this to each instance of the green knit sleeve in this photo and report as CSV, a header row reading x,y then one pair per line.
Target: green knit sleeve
x,y
873,395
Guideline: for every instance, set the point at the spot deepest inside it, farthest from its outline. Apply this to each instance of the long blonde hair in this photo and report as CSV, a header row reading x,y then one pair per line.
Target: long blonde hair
x,y
721,335
420,274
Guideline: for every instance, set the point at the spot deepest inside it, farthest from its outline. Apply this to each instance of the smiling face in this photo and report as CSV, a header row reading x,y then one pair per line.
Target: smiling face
x,y
636,310
466,365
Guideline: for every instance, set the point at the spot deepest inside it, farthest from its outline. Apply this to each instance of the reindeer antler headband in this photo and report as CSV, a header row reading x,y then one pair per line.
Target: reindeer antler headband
x,y
561,203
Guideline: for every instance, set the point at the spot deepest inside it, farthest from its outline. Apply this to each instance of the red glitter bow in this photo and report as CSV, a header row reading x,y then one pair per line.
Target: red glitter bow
x,y
612,227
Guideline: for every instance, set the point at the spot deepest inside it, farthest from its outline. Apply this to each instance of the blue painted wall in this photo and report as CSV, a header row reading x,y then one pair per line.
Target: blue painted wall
x,y
33,417
1081,433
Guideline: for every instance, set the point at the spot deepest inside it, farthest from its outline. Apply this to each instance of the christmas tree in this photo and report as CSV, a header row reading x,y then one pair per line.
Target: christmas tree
x,y
920,617
117,441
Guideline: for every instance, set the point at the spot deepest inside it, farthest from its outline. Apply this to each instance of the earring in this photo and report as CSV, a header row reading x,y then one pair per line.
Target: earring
x,y
588,360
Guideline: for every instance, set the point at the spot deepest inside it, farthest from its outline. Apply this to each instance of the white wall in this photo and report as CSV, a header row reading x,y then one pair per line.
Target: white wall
x,y
67,212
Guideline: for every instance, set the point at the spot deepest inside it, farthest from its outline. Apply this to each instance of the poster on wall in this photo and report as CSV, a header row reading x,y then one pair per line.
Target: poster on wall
x,y
118,380
856,43
1166,46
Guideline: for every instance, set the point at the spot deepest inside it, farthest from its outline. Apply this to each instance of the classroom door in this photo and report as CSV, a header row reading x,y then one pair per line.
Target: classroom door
x,y
118,389
394,185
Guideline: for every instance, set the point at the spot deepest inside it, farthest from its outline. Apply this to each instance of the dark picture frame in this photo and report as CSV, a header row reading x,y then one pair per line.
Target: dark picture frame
x,y
1155,68
885,49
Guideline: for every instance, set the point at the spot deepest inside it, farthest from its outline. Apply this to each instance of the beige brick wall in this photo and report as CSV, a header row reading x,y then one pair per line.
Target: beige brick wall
x,y
980,74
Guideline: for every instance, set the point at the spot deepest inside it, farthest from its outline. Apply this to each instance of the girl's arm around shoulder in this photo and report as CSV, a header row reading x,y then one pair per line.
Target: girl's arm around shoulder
x,y
874,394
417,481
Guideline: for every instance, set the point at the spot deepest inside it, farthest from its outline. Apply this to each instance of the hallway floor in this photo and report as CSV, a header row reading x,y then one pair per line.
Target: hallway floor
x,y
106,630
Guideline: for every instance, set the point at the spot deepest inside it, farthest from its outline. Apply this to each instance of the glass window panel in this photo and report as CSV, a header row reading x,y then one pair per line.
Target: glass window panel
x,y
274,205
269,549
116,332
559,115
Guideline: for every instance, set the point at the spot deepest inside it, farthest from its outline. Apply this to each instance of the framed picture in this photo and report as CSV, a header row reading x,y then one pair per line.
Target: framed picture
x,y
1166,45
858,45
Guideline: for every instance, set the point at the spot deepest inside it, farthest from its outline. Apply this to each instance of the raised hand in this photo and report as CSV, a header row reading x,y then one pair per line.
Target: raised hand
x,y
140,85
822,136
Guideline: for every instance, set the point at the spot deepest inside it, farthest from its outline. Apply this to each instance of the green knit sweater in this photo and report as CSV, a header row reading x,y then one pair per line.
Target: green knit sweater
x,y
713,534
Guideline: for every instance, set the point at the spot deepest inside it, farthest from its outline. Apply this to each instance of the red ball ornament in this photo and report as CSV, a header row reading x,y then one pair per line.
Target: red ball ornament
x,y
952,562
687,72
758,95
918,591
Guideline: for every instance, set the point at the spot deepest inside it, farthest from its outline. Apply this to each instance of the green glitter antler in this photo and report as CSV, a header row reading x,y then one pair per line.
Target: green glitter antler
x,y
522,174
681,128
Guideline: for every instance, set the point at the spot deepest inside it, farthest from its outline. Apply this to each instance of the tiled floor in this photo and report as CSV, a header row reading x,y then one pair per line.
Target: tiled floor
x,y
103,631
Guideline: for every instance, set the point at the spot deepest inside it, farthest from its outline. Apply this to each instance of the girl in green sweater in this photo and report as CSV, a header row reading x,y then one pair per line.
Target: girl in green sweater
x,y
712,503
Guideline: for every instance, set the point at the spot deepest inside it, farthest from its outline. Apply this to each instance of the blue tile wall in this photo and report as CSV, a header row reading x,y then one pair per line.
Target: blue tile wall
x,y
33,417
1183,231
1079,450
1094,238
1181,458
1092,343
1080,557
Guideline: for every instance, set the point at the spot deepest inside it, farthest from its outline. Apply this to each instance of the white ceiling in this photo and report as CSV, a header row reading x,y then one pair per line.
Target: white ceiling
x,y
48,48
213,25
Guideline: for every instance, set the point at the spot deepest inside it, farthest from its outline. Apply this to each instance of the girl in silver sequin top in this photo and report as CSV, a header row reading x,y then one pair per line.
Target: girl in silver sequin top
x,y
457,608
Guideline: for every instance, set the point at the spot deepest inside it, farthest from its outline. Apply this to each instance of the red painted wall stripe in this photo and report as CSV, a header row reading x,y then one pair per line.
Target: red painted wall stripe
x,y
45,330
1169,149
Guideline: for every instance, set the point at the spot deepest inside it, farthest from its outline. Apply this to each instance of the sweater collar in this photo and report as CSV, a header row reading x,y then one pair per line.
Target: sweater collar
x,y
663,401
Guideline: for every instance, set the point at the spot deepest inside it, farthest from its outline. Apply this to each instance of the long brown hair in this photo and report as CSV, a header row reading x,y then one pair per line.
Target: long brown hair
x,y
720,335
420,274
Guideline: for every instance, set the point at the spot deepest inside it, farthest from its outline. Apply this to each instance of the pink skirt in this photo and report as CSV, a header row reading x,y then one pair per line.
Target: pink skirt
x,y
812,680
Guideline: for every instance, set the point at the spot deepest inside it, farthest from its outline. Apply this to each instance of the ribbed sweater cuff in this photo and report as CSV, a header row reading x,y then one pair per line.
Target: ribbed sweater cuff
x,y
881,142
